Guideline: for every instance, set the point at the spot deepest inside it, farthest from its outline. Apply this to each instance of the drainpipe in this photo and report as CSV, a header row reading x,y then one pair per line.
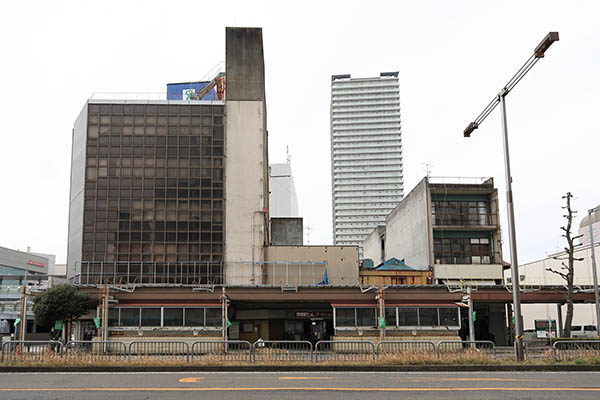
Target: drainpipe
x,y
253,244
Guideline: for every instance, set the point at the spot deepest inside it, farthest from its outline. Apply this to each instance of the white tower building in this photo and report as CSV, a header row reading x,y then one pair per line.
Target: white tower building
x,y
366,154
283,201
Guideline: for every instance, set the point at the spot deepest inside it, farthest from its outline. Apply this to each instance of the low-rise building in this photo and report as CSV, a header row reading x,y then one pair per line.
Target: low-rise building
x,y
447,226
537,274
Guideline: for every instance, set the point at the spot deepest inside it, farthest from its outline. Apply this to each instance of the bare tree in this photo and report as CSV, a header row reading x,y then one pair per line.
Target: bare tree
x,y
567,269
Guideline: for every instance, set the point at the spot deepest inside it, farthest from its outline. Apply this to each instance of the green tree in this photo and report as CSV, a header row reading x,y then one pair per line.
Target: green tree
x,y
60,303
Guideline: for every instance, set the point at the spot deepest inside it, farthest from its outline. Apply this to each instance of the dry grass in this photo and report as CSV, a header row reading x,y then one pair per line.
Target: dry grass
x,y
466,357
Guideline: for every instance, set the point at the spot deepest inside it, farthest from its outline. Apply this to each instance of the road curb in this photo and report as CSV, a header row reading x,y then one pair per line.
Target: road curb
x,y
316,368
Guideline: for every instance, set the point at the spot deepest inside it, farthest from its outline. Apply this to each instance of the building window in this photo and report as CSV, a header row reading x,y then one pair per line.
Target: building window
x,y
161,317
422,317
462,250
460,213
351,317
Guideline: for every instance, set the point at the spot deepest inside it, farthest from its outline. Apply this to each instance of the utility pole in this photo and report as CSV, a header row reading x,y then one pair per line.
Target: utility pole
x,y
21,334
500,99
104,316
381,304
471,326
224,319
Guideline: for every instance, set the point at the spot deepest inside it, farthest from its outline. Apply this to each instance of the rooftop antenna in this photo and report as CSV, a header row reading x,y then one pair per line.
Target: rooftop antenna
x,y
427,168
288,155
308,228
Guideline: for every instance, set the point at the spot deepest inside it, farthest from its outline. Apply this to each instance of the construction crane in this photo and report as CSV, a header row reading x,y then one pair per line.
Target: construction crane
x,y
219,82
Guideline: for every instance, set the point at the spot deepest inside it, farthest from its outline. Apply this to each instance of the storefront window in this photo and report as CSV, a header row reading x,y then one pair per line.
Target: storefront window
x,y
344,316
194,317
130,317
150,316
173,317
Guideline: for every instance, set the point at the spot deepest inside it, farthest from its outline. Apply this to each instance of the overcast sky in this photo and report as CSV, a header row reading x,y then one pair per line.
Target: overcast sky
x,y
452,58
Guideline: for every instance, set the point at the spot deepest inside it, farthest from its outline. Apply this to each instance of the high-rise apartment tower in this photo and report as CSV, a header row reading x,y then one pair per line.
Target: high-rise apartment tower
x,y
366,154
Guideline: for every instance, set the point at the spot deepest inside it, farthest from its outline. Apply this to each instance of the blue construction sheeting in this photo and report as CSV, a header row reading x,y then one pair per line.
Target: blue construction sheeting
x,y
393,264
175,91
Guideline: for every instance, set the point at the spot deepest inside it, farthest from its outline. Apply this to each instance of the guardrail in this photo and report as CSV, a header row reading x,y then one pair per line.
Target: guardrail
x,y
222,350
569,349
457,346
344,350
282,350
96,350
162,349
408,346
271,350
30,350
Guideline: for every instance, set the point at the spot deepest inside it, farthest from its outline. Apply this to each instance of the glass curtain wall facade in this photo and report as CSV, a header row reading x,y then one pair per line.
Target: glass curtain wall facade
x,y
366,154
154,182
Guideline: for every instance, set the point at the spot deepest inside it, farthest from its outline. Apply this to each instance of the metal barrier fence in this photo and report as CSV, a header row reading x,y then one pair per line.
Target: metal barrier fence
x,y
96,350
163,349
30,350
458,346
220,350
282,350
269,351
570,349
396,347
344,350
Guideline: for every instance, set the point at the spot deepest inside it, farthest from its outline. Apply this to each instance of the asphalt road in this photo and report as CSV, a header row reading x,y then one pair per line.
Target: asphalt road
x,y
302,385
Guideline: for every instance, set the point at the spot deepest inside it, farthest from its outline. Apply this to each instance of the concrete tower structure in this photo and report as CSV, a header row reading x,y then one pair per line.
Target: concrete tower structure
x,y
284,200
366,154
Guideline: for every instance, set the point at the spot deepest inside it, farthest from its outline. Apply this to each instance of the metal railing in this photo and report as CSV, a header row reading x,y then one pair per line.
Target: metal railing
x,y
147,97
457,346
263,273
344,350
162,349
241,351
221,350
571,349
30,350
402,346
282,350
96,350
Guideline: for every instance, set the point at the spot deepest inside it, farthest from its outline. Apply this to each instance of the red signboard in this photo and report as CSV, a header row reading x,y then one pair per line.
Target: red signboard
x,y
37,264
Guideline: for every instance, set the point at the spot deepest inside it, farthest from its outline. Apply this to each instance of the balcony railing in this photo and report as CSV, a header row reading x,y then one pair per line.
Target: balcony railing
x,y
271,273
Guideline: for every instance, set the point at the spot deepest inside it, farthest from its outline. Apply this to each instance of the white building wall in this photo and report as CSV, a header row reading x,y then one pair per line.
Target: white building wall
x,y
536,273
283,198
407,234
584,228
244,188
366,155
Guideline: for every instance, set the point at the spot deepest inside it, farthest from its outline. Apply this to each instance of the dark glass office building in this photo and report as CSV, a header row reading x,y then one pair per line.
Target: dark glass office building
x,y
147,184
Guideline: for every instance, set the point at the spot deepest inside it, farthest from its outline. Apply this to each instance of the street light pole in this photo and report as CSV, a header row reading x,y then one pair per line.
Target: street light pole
x,y
594,271
514,264
500,98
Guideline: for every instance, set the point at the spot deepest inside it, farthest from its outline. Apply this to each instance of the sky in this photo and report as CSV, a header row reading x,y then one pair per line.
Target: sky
x,y
453,57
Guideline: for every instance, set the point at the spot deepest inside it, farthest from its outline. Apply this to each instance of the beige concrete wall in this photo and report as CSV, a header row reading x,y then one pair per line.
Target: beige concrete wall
x,y
342,261
245,166
467,271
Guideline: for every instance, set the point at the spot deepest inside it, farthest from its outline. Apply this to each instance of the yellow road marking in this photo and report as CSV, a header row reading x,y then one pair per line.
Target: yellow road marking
x,y
481,379
328,389
303,377
191,380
